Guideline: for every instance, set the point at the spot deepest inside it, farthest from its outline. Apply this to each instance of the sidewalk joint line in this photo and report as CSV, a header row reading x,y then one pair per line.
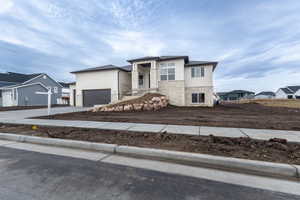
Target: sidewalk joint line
x,y
243,132
162,130
297,171
104,157
199,131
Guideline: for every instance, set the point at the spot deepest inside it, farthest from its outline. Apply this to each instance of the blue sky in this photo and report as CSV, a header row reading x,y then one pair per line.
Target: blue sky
x,y
257,42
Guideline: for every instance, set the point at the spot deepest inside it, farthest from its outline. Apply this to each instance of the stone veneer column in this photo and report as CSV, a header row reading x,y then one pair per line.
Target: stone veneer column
x,y
154,75
135,78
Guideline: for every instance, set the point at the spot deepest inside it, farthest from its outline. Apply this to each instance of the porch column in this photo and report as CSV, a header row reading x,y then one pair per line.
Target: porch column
x,y
135,78
154,75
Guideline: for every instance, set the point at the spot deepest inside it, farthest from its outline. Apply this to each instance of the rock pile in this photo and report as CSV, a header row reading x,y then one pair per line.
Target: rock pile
x,y
153,104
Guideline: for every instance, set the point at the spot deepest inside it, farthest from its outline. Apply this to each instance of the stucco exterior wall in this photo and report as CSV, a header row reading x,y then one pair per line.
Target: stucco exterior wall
x,y
174,90
106,79
72,88
207,80
297,94
124,83
207,90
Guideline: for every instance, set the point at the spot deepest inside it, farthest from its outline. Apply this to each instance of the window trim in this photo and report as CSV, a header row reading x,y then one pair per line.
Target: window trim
x,y
167,67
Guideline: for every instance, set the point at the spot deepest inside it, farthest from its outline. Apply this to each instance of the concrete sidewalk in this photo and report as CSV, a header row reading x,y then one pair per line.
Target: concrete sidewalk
x,y
22,114
262,134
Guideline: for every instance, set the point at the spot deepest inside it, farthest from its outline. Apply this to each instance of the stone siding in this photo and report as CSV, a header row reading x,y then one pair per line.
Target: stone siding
x,y
174,90
208,91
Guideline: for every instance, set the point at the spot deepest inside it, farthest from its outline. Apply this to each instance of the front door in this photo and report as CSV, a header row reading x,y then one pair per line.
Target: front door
x,y
141,81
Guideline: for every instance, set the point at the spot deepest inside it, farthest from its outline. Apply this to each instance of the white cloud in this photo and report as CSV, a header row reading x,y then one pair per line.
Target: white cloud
x,y
130,43
271,81
5,6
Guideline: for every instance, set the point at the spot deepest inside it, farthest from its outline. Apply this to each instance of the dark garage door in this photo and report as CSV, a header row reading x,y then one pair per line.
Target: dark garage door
x,y
96,97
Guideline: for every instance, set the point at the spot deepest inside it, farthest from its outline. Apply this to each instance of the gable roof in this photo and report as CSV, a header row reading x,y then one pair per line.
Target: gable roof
x,y
16,77
286,90
65,85
5,84
104,67
294,89
267,93
239,91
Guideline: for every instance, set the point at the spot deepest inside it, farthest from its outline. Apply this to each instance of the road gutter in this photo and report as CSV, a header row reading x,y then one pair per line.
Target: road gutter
x,y
227,163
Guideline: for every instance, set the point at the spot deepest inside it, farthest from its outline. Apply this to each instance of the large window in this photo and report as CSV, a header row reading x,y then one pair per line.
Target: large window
x,y
198,98
197,72
167,71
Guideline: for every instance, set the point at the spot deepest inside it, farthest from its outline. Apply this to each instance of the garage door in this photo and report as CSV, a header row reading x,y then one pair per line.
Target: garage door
x,y
96,97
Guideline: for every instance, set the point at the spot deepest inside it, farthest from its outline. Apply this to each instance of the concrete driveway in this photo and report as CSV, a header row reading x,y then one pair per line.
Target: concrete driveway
x,y
22,114
26,175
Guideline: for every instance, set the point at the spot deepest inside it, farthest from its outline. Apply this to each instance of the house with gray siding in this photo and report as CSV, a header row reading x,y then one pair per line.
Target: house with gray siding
x,y
235,95
21,89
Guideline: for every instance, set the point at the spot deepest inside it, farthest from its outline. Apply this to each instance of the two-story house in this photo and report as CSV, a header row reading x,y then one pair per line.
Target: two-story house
x,y
184,82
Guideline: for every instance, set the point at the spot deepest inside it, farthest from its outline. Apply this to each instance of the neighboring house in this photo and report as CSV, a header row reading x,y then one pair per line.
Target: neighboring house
x,y
65,98
20,89
235,95
265,95
289,92
184,82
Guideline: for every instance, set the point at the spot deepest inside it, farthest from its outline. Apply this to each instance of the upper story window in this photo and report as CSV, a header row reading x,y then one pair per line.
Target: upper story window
x,y
197,72
55,89
167,71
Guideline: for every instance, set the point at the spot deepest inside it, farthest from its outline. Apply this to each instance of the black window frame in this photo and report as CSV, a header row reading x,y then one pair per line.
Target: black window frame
x,y
198,98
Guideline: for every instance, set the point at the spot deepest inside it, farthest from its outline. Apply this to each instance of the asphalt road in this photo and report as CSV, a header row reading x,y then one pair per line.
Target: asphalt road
x,y
28,175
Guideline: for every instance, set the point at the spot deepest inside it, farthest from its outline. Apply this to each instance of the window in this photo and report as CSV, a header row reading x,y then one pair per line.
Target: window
x,y
55,89
197,72
198,98
141,80
48,88
167,71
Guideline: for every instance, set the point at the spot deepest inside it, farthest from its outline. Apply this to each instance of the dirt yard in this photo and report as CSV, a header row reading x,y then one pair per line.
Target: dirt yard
x,y
274,150
11,108
249,115
288,103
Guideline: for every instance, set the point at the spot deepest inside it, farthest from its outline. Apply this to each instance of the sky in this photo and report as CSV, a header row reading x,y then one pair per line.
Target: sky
x,y
257,42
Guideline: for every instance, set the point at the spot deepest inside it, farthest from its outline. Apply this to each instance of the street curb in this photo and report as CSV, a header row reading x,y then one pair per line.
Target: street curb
x,y
111,148
261,167
243,165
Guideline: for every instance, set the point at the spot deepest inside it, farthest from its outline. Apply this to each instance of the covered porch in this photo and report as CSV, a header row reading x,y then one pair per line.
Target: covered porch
x,y
144,77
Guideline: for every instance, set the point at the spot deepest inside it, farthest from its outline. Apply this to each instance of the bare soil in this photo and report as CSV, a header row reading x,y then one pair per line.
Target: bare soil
x,y
250,115
11,108
274,150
